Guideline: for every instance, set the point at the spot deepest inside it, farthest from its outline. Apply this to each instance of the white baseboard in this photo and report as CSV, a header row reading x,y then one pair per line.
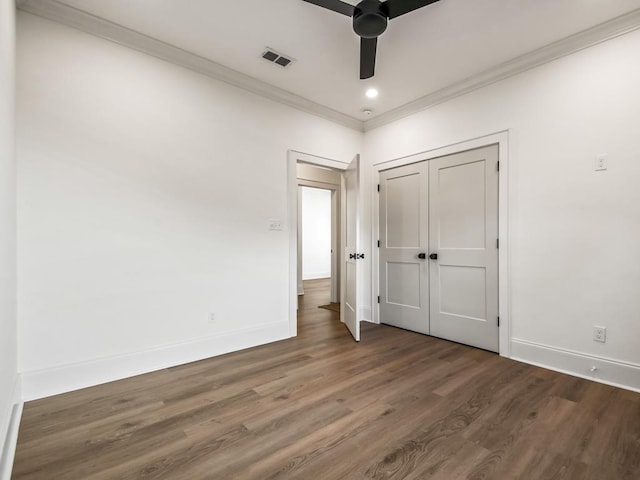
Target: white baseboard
x,y
315,275
17,390
9,432
52,381
365,314
608,371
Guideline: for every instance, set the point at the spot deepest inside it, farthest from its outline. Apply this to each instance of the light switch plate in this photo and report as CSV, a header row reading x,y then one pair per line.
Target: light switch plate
x,y
601,162
275,224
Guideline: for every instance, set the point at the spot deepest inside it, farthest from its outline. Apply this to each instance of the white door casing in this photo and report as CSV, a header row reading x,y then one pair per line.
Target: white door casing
x,y
293,158
336,237
404,239
335,245
351,265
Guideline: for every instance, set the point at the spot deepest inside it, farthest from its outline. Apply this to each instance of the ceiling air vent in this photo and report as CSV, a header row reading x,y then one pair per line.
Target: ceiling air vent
x,y
277,58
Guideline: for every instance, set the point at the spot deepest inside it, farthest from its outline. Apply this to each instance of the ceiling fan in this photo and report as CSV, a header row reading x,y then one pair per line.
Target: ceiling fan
x,y
370,18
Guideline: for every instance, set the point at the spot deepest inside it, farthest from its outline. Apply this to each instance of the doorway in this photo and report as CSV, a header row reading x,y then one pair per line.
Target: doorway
x,y
318,227
438,259
347,252
315,233
318,274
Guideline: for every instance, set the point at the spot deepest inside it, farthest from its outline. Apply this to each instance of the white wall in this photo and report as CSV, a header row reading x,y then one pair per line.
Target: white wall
x,y
316,233
8,326
574,232
144,196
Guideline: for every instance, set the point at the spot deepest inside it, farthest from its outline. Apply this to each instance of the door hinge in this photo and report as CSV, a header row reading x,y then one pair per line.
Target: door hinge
x,y
498,321
498,165
378,243
378,187
497,243
378,298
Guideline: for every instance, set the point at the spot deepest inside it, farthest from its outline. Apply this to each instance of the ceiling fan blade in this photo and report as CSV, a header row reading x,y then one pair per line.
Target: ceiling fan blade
x,y
367,57
335,5
395,8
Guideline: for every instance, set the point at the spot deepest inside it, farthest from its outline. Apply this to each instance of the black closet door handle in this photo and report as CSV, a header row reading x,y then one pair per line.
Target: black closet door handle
x,y
422,256
433,256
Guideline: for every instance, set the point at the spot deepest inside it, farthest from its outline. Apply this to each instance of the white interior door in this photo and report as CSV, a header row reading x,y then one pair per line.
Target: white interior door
x,y
463,216
351,273
404,243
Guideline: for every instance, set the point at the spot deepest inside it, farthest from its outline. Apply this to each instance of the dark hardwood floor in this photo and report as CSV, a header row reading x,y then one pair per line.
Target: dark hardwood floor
x,y
398,405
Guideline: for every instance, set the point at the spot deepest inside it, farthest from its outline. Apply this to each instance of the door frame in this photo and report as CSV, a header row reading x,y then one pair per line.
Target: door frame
x,y
505,211
335,232
293,157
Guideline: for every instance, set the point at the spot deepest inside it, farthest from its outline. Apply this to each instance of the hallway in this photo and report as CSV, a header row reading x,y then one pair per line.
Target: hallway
x,y
315,321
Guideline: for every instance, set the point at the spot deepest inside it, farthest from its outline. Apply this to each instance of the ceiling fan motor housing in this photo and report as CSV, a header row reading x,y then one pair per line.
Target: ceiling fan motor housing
x,y
370,19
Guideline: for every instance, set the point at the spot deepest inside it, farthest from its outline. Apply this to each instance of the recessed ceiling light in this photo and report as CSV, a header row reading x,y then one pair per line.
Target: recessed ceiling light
x,y
372,93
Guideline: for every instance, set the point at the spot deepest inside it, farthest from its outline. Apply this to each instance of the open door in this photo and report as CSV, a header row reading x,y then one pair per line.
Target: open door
x,y
352,256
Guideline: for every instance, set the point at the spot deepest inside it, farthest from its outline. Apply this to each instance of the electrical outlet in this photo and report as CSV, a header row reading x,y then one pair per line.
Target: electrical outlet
x,y
599,334
212,318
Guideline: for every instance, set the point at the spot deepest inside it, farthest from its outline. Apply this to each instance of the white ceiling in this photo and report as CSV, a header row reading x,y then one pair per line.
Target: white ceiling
x,y
420,53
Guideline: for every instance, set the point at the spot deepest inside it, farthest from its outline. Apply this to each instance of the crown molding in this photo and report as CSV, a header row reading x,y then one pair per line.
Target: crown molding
x,y
587,38
86,22
72,17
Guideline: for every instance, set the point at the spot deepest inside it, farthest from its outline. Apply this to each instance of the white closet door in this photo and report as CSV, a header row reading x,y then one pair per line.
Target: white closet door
x,y
404,237
463,228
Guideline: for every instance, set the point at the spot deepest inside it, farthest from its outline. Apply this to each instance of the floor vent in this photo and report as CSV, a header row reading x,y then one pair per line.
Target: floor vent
x,y
274,57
